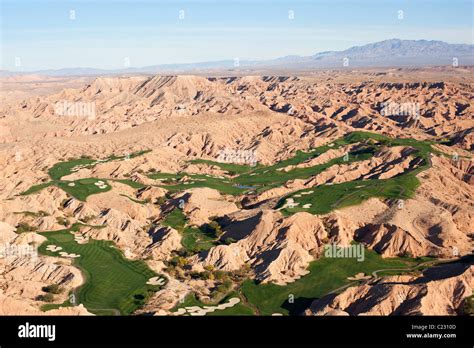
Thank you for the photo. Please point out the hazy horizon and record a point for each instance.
(120, 34)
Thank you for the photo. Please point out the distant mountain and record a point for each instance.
(393, 53)
(401, 52)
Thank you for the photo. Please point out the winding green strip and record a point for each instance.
(325, 275)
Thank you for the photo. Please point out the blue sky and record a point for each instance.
(108, 33)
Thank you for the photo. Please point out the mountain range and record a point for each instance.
(387, 53)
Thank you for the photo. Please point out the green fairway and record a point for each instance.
(113, 284)
(131, 183)
(61, 169)
(326, 274)
(231, 168)
(37, 188)
(82, 188)
(321, 199)
(325, 198)
(170, 182)
(193, 239)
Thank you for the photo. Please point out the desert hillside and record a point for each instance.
(223, 194)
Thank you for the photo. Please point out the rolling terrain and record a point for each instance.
(193, 195)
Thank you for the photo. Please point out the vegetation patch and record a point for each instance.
(113, 284)
(194, 239)
(325, 275)
(82, 188)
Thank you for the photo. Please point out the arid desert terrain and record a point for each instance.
(335, 192)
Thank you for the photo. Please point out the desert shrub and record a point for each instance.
(53, 289)
(468, 307)
(229, 240)
(209, 268)
(24, 227)
(48, 297)
(160, 200)
(62, 221)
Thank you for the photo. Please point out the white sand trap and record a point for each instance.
(180, 311)
(307, 206)
(277, 314)
(53, 248)
(156, 281)
(329, 183)
(290, 203)
(64, 254)
(198, 311)
(102, 187)
(297, 196)
(233, 301)
(71, 184)
(359, 276)
(331, 145)
(307, 192)
(80, 239)
(253, 174)
(100, 182)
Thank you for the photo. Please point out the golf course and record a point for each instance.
(113, 285)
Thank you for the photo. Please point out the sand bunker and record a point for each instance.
(80, 238)
(359, 276)
(198, 311)
(307, 192)
(156, 281)
(71, 184)
(65, 254)
(289, 203)
(53, 248)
